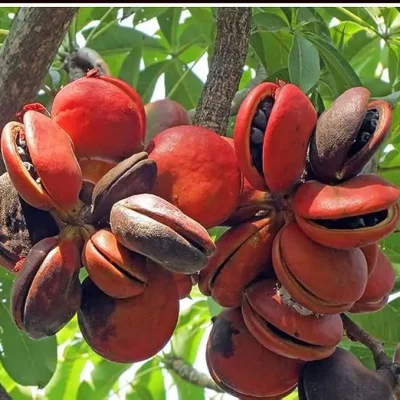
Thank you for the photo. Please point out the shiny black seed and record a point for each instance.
(364, 137)
(256, 135)
(260, 120)
(266, 106)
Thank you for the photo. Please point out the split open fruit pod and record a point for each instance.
(132, 329)
(196, 172)
(149, 225)
(322, 279)
(104, 116)
(380, 283)
(354, 213)
(240, 365)
(243, 253)
(348, 134)
(117, 271)
(272, 131)
(40, 160)
(47, 293)
(282, 330)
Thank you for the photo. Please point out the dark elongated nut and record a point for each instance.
(47, 291)
(151, 226)
(137, 174)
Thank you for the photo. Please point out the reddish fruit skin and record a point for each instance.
(101, 116)
(197, 172)
(289, 129)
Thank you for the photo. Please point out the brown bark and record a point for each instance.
(231, 46)
(26, 55)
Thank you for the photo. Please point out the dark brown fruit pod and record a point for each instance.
(21, 225)
(47, 293)
(342, 376)
(348, 134)
(137, 174)
(239, 364)
(282, 330)
(243, 253)
(133, 329)
(151, 226)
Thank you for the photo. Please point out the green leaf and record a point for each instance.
(29, 362)
(304, 69)
(130, 68)
(190, 330)
(377, 87)
(342, 73)
(102, 380)
(149, 376)
(147, 13)
(304, 16)
(182, 84)
(169, 21)
(213, 307)
(187, 390)
(148, 79)
(269, 22)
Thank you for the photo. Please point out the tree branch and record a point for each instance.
(26, 55)
(186, 372)
(3, 394)
(231, 45)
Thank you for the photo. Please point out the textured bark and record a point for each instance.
(231, 46)
(26, 55)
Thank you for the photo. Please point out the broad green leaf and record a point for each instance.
(217, 231)
(213, 307)
(120, 39)
(147, 13)
(377, 87)
(181, 84)
(29, 362)
(389, 15)
(282, 74)
(342, 73)
(193, 32)
(128, 11)
(148, 79)
(269, 22)
(304, 16)
(317, 101)
(149, 376)
(304, 69)
(394, 66)
(187, 390)
(357, 15)
(190, 330)
(272, 49)
(169, 21)
(289, 13)
(139, 393)
(102, 379)
(130, 68)
(391, 247)
(384, 325)
(115, 62)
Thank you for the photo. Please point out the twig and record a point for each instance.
(26, 55)
(226, 69)
(356, 334)
(186, 372)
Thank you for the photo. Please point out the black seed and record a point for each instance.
(256, 136)
(260, 120)
(364, 137)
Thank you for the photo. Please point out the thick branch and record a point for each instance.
(356, 334)
(231, 45)
(26, 55)
(186, 372)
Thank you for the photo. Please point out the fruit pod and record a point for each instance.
(197, 172)
(342, 376)
(21, 225)
(380, 283)
(241, 366)
(282, 330)
(40, 160)
(47, 293)
(347, 135)
(243, 253)
(164, 114)
(272, 131)
(112, 120)
(117, 271)
(322, 279)
(151, 226)
(184, 284)
(355, 213)
(132, 329)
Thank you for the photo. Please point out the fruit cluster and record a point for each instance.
(83, 190)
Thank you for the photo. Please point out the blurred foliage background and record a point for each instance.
(323, 50)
